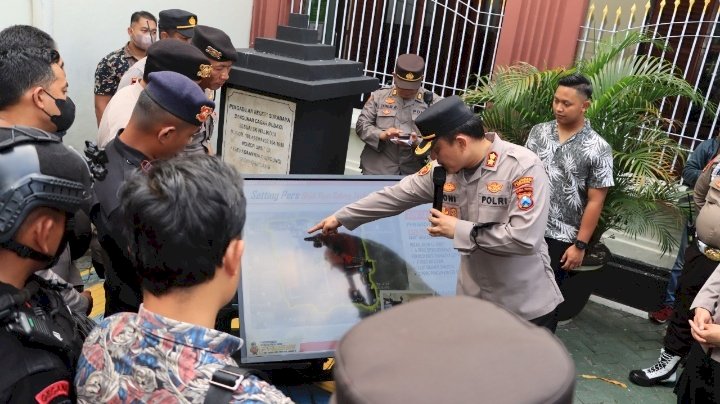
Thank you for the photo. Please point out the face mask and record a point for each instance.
(142, 41)
(67, 113)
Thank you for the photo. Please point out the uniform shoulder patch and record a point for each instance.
(522, 181)
(525, 202)
(425, 169)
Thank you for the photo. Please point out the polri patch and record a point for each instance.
(494, 187)
(491, 159)
(449, 187)
(425, 169)
(522, 181)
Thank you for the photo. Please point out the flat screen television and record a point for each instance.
(299, 293)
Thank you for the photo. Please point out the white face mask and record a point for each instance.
(142, 41)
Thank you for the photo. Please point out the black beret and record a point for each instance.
(451, 350)
(179, 96)
(214, 43)
(441, 119)
(409, 70)
(177, 56)
(182, 21)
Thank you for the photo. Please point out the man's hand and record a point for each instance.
(89, 297)
(390, 133)
(441, 224)
(572, 258)
(328, 225)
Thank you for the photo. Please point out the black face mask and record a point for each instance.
(64, 121)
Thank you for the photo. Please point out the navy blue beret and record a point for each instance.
(214, 43)
(179, 96)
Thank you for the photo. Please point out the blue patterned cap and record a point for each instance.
(179, 96)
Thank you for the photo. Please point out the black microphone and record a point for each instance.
(439, 176)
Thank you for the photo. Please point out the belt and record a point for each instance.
(710, 252)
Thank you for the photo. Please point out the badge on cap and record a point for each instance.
(494, 187)
(425, 170)
(449, 187)
(192, 21)
(213, 52)
(409, 76)
(205, 71)
(205, 113)
(491, 159)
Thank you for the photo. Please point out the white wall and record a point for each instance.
(87, 30)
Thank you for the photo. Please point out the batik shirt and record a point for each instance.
(147, 358)
(111, 69)
(584, 161)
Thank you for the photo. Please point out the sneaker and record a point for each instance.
(664, 371)
(660, 316)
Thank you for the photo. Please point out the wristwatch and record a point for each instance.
(581, 245)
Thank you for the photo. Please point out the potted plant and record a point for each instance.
(628, 90)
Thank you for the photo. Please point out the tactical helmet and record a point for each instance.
(37, 170)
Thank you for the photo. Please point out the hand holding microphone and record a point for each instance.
(440, 223)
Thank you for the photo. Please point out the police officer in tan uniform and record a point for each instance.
(386, 122)
(495, 210)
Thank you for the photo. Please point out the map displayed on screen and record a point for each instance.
(300, 293)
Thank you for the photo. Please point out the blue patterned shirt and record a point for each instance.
(147, 358)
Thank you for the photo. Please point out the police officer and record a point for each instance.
(495, 211)
(168, 112)
(386, 122)
(42, 182)
(221, 54)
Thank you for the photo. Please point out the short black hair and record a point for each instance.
(579, 83)
(181, 215)
(23, 69)
(25, 36)
(136, 16)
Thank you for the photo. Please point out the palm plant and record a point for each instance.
(627, 92)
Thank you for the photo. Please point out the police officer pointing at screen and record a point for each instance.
(495, 210)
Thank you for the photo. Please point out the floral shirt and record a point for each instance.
(111, 69)
(584, 161)
(147, 358)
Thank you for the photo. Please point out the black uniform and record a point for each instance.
(122, 287)
(38, 372)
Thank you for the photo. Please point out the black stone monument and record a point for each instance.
(288, 104)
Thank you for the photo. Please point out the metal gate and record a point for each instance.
(690, 29)
(457, 38)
